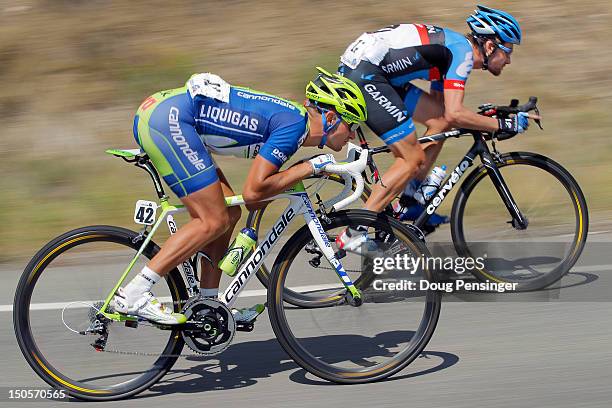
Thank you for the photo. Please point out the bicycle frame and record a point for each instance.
(481, 149)
(299, 204)
(478, 148)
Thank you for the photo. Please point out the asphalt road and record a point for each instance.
(549, 352)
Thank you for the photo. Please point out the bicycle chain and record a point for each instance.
(145, 354)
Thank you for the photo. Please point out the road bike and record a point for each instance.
(70, 335)
(522, 212)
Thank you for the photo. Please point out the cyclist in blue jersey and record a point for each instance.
(178, 129)
(382, 63)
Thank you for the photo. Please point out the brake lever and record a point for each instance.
(538, 121)
(375, 174)
(366, 178)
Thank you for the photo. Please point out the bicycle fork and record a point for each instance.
(519, 221)
(318, 233)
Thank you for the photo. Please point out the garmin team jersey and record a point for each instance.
(414, 51)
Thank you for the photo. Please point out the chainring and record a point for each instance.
(213, 325)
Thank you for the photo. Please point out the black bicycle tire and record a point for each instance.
(254, 221)
(309, 362)
(21, 314)
(557, 171)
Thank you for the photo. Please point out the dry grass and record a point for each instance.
(73, 71)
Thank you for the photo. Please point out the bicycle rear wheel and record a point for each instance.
(551, 200)
(59, 293)
(354, 344)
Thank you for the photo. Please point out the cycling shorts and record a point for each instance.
(164, 127)
(390, 108)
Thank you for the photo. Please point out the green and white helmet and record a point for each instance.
(338, 93)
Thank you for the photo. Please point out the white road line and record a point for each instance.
(251, 293)
(591, 268)
(168, 299)
(590, 233)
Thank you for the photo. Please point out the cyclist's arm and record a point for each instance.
(264, 180)
(461, 65)
(461, 117)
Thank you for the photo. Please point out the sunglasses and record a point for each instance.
(505, 49)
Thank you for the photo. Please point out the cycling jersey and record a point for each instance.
(384, 62)
(177, 128)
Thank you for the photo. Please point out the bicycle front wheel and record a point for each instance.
(551, 201)
(59, 295)
(346, 343)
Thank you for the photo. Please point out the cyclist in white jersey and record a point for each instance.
(382, 63)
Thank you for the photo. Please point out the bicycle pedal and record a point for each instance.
(245, 327)
(131, 324)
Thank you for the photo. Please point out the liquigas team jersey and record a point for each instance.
(178, 128)
(414, 51)
(242, 122)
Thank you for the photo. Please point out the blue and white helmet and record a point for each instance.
(488, 22)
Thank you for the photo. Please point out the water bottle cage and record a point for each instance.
(237, 253)
(421, 191)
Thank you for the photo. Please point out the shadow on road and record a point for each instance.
(242, 364)
(448, 360)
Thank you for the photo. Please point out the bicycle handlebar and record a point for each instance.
(491, 110)
(514, 108)
(354, 170)
(488, 109)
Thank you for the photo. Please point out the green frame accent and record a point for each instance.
(167, 208)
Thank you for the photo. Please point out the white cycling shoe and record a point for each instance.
(148, 307)
(248, 314)
(352, 240)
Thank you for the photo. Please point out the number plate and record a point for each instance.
(354, 53)
(209, 85)
(145, 212)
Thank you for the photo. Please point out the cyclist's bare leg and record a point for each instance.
(429, 111)
(409, 157)
(209, 221)
(211, 274)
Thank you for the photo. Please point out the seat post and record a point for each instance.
(144, 163)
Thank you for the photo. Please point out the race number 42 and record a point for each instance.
(145, 212)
